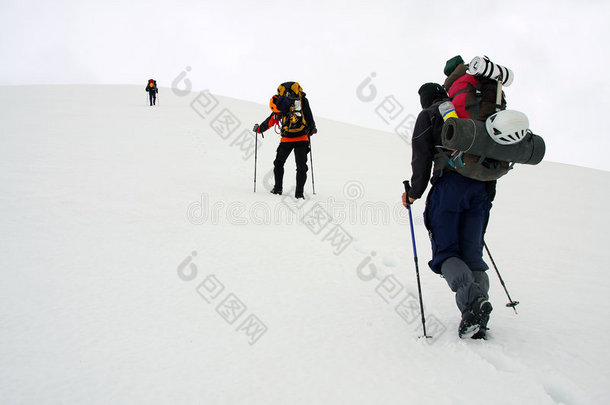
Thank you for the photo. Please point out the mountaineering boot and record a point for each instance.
(482, 308)
(299, 194)
(475, 318)
(481, 334)
(468, 325)
(276, 190)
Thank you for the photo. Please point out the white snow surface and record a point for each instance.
(139, 267)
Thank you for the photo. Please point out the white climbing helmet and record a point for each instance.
(507, 127)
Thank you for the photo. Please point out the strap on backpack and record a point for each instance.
(478, 94)
(443, 162)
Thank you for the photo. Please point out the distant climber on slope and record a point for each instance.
(292, 114)
(152, 90)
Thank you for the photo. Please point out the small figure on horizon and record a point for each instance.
(152, 90)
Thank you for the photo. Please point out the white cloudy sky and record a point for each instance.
(244, 49)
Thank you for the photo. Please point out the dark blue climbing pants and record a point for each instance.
(456, 215)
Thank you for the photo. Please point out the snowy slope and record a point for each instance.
(138, 266)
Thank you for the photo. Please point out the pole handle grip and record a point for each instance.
(407, 188)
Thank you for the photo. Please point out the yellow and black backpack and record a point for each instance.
(289, 104)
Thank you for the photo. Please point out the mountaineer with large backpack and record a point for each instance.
(152, 90)
(466, 145)
(456, 215)
(292, 119)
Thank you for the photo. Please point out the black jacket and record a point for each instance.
(426, 137)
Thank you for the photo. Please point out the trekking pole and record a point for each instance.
(421, 301)
(313, 183)
(511, 303)
(255, 129)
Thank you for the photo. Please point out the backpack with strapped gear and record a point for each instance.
(486, 140)
(152, 84)
(288, 102)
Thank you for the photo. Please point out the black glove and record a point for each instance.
(313, 131)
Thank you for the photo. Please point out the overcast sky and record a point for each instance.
(558, 51)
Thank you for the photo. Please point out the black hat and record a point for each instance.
(430, 92)
(452, 64)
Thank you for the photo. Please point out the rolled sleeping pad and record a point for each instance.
(470, 136)
(486, 68)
